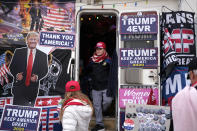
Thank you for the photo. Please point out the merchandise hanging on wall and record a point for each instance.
(178, 48)
(54, 22)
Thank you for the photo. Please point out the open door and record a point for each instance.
(96, 26)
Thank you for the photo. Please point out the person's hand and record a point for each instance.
(34, 78)
(19, 76)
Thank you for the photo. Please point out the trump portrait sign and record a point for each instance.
(21, 118)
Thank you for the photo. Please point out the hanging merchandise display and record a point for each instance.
(178, 49)
(47, 63)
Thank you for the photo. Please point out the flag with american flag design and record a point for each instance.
(3, 70)
(178, 37)
(59, 18)
(50, 113)
(178, 49)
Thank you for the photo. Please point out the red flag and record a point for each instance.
(151, 99)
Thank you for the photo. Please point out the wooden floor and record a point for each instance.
(109, 122)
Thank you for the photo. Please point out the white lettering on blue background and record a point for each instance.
(173, 86)
(137, 52)
(139, 21)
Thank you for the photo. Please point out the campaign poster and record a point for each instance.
(20, 118)
(139, 57)
(49, 120)
(177, 38)
(17, 20)
(138, 24)
(178, 44)
(174, 83)
(138, 96)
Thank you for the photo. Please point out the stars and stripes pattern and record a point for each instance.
(4, 101)
(167, 41)
(178, 49)
(57, 18)
(183, 38)
(169, 52)
(50, 113)
(3, 70)
(48, 118)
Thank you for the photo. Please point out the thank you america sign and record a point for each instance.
(20, 118)
(138, 24)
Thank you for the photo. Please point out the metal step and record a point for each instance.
(109, 122)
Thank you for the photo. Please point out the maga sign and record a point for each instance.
(174, 83)
(138, 57)
(20, 118)
(134, 24)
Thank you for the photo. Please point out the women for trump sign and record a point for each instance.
(138, 96)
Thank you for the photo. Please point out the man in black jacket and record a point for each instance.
(99, 68)
(28, 66)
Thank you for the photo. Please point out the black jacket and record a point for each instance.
(99, 74)
(23, 94)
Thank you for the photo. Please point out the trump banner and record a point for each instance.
(174, 83)
(138, 95)
(20, 118)
(139, 57)
(49, 118)
(138, 24)
(178, 49)
(53, 22)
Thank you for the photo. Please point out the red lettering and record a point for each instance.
(181, 39)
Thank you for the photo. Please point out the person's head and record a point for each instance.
(100, 48)
(72, 90)
(32, 40)
(192, 71)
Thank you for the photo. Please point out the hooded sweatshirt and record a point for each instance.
(76, 116)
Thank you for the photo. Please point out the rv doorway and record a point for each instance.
(95, 27)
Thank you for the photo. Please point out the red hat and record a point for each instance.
(72, 86)
(100, 45)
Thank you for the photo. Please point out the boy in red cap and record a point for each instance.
(98, 70)
(77, 109)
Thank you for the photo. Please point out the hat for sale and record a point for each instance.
(101, 45)
(72, 86)
(192, 66)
